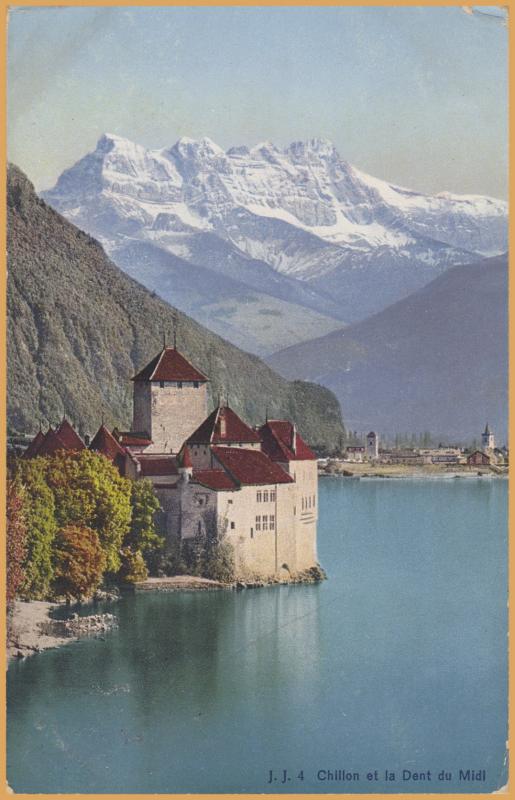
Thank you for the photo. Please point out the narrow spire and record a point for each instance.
(174, 332)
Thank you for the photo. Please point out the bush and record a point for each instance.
(79, 562)
(133, 568)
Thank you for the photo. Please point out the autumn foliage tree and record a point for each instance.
(79, 562)
(41, 527)
(16, 536)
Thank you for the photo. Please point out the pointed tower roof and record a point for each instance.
(487, 430)
(51, 444)
(170, 365)
(33, 448)
(69, 436)
(282, 442)
(105, 443)
(222, 427)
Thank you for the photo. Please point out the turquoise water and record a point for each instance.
(397, 662)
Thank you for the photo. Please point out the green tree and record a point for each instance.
(16, 535)
(133, 568)
(142, 535)
(41, 527)
(79, 562)
(88, 490)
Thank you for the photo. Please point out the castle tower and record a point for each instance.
(170, 401)
(487, 439)
(372, 445)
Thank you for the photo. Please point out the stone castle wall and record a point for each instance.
(172, 414)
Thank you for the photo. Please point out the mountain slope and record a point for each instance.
(435, 361)
(79, 328)
(299, 224)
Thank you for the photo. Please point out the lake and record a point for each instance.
(396, 664)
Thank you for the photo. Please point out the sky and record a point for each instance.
(417, 96)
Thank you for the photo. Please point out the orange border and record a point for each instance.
(508, 4)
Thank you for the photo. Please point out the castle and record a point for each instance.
(258, 484)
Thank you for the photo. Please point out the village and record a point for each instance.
(371, 459)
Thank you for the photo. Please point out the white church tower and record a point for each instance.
(372, 449)
(487, 439)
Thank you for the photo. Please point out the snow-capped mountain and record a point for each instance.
(298, 224)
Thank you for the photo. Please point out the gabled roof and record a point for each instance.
(170, 365)
(250, 467)
(223, 426)
(153, 466)
(33, 448)
(216, 479)
(281, 441)
(69, 436)
(51, 444)
(105, 443)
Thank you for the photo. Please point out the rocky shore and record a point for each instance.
(32, 629)
(191, 583)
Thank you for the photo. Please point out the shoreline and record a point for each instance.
(387, 472)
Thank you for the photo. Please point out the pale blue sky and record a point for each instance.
(414, 95)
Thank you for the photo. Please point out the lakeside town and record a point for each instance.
(370, 458)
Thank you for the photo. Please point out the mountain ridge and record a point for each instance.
(311, 228)
(435, 361)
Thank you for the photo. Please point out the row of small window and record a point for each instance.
(265, 522)
(266, 496)
(308, 502)
(179, 384)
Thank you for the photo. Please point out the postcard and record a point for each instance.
(257, 442)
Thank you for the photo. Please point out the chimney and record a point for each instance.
(87, 439)
(294, 438)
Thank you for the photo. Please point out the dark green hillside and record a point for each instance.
(79, 328)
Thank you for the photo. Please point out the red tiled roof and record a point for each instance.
(51, 444)
(170, 365)
(216, 479)
(130, 439)
(105, 443)
(277, 438)
(33, 448)
(69, 436)
(157, 465)
(223, 426)
(250, 467)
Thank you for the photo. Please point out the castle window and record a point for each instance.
(230, 502)
(252, 533)
(265, 497)
(179, 384)
(272, 522)
(162, 384)
(258, 523)
(233, 525)
(265, 522)
(195, 384)
(199, 527)
(258, 496)
(272, 496)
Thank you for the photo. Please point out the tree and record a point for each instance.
(89, 491)
(16, 535)
(217, 561)
(39, 507)
(142, 535)
(133, 568)
(79, 562)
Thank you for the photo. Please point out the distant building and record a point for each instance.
(372, 450)
(487, 439)
(355, 453)
(478, 459)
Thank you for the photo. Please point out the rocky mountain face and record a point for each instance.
(436, 361)
(79, 328)
(270, 245)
